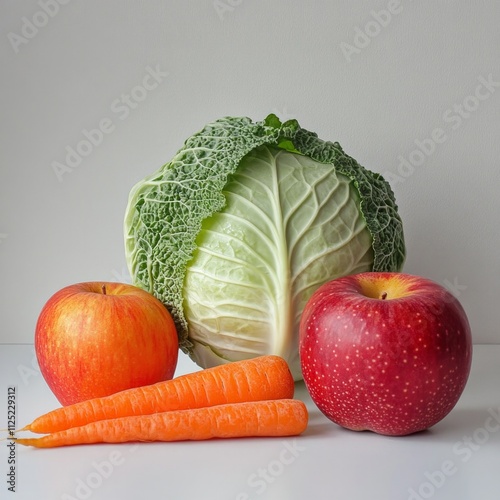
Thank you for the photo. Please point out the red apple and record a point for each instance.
(95, 339)
(386, 352)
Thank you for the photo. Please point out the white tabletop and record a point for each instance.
(459, 458)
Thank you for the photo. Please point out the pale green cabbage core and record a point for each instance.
(289, 224)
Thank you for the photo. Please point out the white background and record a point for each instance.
(457, 459)
(418, 70)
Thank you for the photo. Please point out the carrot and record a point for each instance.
(262, 378)
(283, 417)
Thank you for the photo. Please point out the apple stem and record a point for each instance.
(103, 288)
(384, 295)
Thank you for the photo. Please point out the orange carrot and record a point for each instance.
(283, 417)
(261, 378)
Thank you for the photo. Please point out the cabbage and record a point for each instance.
(247, 220)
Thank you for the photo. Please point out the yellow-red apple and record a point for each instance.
(94, 339)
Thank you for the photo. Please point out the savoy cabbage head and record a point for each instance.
(237, 231)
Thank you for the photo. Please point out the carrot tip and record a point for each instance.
(20, 441)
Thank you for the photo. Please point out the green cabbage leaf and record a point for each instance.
(237, 231)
